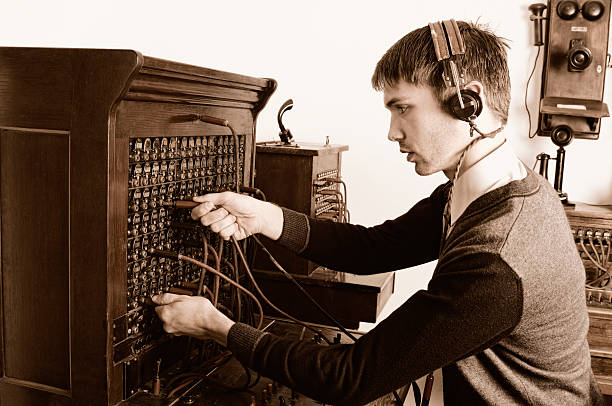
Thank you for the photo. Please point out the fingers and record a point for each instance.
(167, 312)
(228, 231)
(209, 203)
(214, 216)
(185, 315)
(218, 211)
(201, 210)
(217, 199)
(218, 225)
(165, 298)
(210, 197)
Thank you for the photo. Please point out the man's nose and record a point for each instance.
(394, 132)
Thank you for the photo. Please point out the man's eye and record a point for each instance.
(401, 109)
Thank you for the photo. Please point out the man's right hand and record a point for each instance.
(232, 214)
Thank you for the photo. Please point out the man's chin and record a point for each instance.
(423, 171)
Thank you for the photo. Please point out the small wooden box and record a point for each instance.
(287, 175)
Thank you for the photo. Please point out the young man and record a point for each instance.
(504, 314)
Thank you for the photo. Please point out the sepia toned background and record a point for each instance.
(322, 54)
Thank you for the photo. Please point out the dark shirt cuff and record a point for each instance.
(296, 231)
(242, 340)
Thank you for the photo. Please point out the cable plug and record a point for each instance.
(156, 379)
(164, 254)
(181, 204)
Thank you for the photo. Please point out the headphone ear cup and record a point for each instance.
(472, 105)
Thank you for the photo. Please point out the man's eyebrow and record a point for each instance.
(391, 102)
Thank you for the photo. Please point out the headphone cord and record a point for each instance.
(473, 128)
(446, 222)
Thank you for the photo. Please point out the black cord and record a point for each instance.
(417, 395)
(265, 298)
(526, 92)
(230, 389)
(296, 283)
(256, 381)
(318, 306)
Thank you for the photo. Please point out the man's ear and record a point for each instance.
(469, 105)
(476, 87)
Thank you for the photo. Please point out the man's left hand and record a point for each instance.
(193, 316)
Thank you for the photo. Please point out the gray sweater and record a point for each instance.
(504, 314)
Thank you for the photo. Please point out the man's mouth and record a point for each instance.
(409, 154)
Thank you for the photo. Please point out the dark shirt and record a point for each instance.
(504, 314)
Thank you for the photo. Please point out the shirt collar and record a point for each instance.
(497, 169)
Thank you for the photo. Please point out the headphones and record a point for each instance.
(466, 105)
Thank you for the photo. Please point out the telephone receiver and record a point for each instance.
(537, 15)
(285, 133)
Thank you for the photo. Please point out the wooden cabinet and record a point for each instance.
(296, 177)
(73, 124)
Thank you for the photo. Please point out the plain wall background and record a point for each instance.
(322, 53)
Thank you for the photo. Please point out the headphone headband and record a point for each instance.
(448, 44)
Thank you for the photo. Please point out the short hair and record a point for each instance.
(413, 59)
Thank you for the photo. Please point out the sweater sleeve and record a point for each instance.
(461, 313)
(409, 240)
